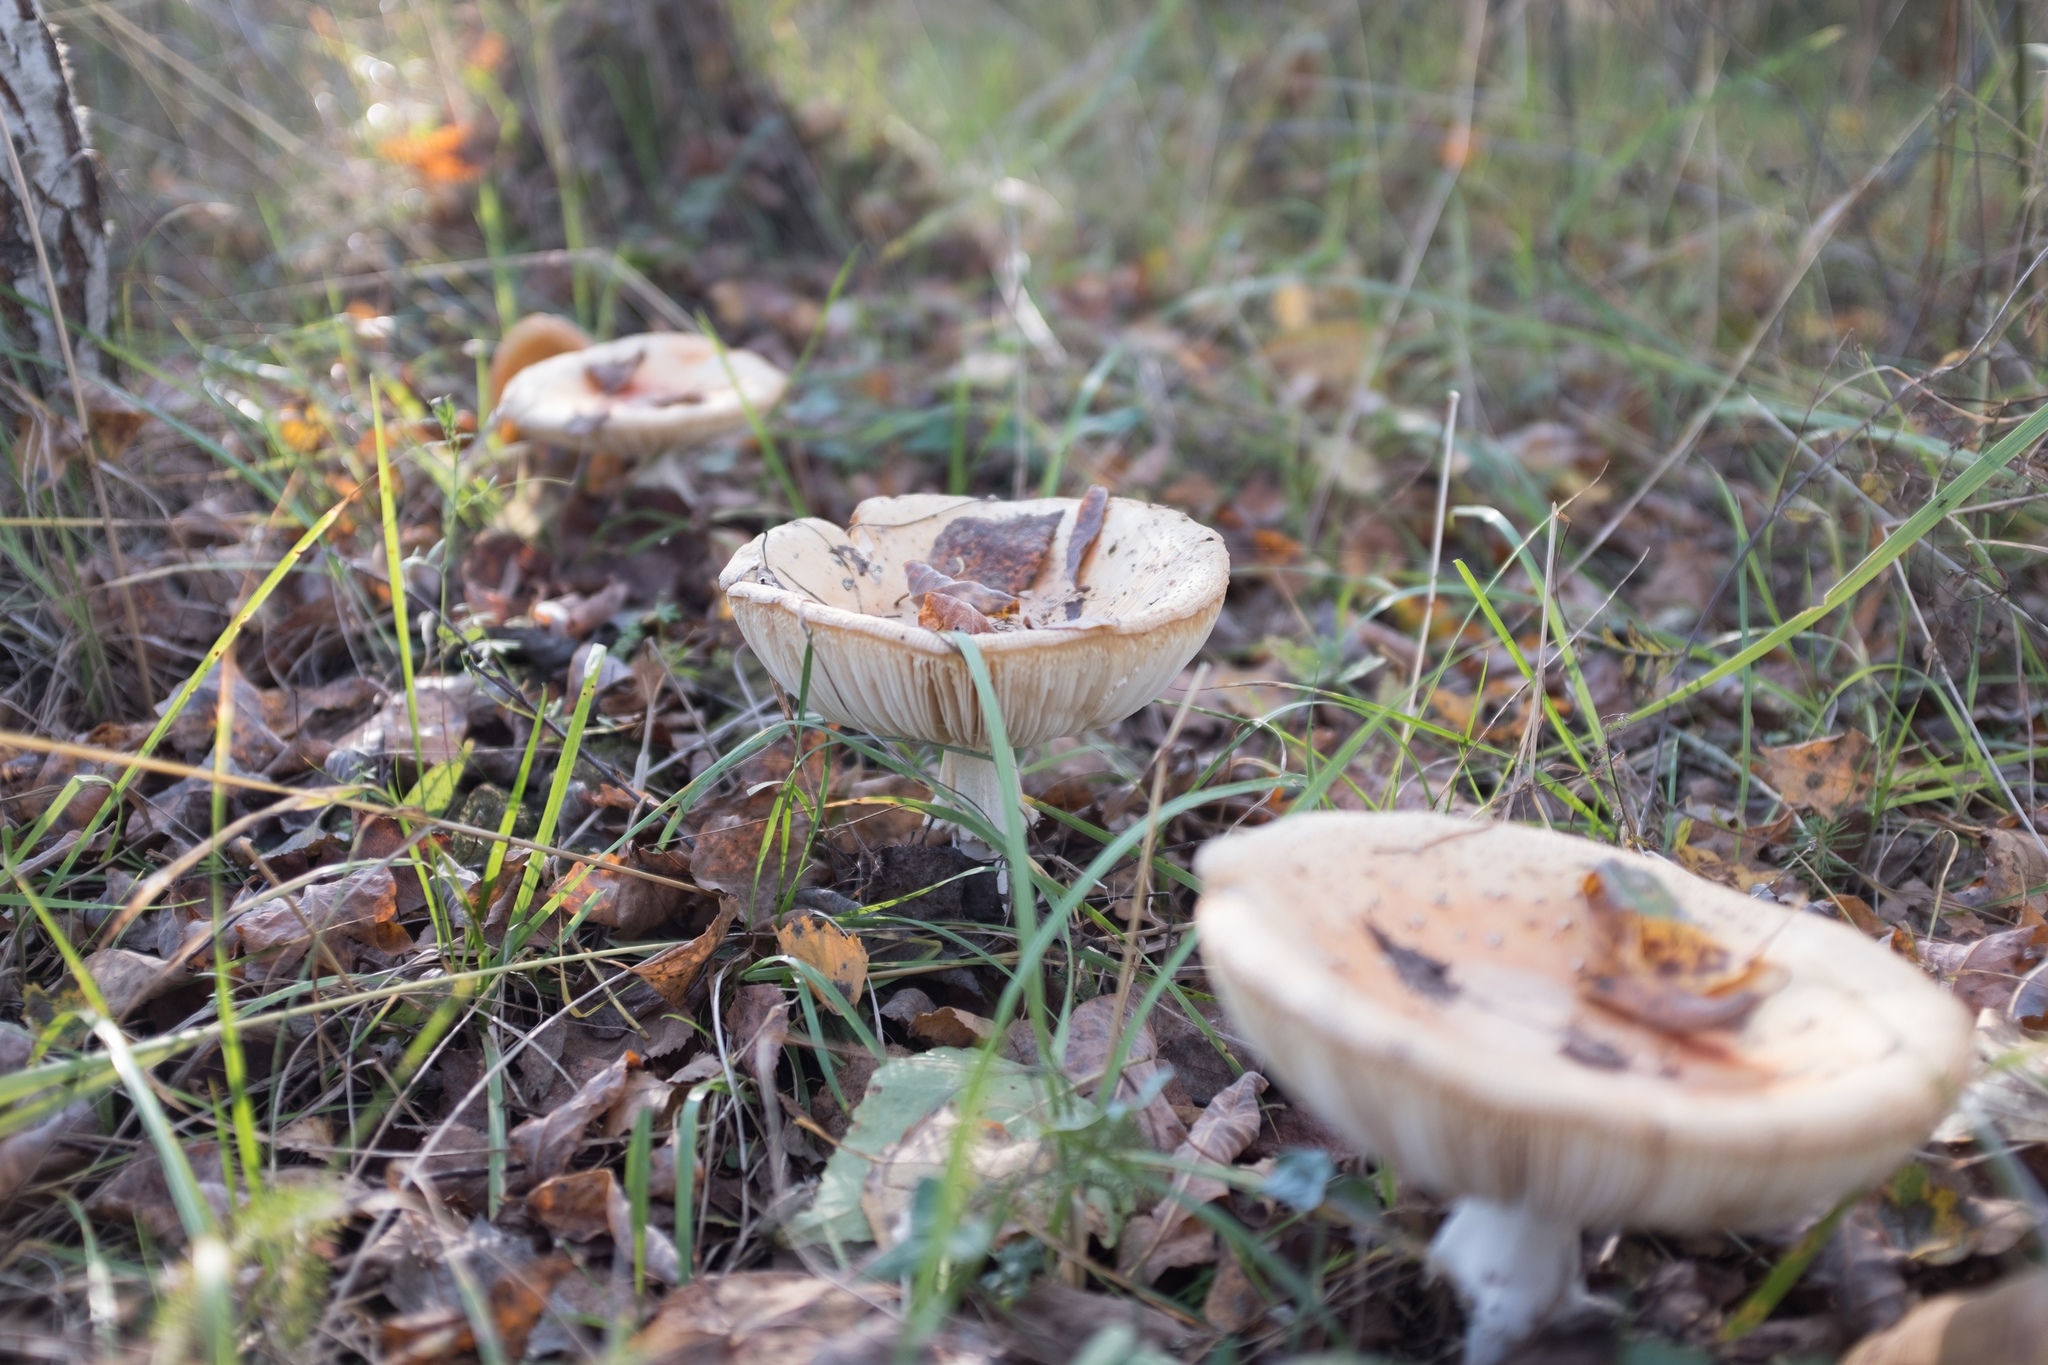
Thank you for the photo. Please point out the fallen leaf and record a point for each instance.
(518, 1296)
(545, 1145)
(575, 1205)
(1828, 775)
(753, 850)
(950, 1027)
(444, 723)
(1091, 1035)
(838, 955)
(1001, 1155)
(440, 156)
(1227, 1125)
(673, 971)
(1986, 974)
(2015, 871)
(906, 1005)
(46, 1149)
(1234, 1302)
(1087, 526)
(1655, 966)
(1054, 1322)
(139, 1193)
(128, 979)
(2006, 1325)
(1005, 553)
(279, 930)
(611, 893)
(925, 580)
(754, 1317)
(937, 612)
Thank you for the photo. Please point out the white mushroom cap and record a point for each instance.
(1154, 585)
(640, 395)
(1507, 1086)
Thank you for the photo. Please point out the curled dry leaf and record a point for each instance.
(941, 613)
(47, 1148)
(2015, 871)
(754, 850)
(518, 1296)
(1170, 1235)
(838, 955)
(1090, 1038)
(128, 979)
(1000, 1155)
(674, 971)
(612, 892)
(1087, 526)
(1985, 975)
(139, 1193)
(575, 1205)
(2007, 1325)
(1234, 1303)
(950, 1027)
(1829, 775)
(924, 580)
(545, 1145)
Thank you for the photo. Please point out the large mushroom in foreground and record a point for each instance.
(1558, 1036)
(1084, 608)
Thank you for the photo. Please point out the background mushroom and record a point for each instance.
(639, 395)
(1560, 1036)
(527, 342)
(1107, 600)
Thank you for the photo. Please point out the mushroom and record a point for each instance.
(639, 395)
(1559, 1036)
(527, 342)
(1098, 603)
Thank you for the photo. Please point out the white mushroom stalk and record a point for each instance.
(1559, 1037)
(1083, 610)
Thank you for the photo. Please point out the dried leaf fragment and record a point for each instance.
(941, 613)
(673, 971)
(1006, 553)
(545, 1145)
(951, 1027)
(925, 580)
(1828, 775)
(839, 956)
(1087, 526)
(1658, 968)
(2007, 1324)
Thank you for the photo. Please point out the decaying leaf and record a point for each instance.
(362, 907)
(129, 979)
(518, 1295)
(757, 1317)
(753, 850)
(2015, 871)
(1984, 975)
(1655, 966)
(2007, 1325)
(839, 956)
(47, 1148)
(1091, 1035)
(611, 891)
(575, 1205)
(1829, 775)
(443, 725)
(1005, 553)
(925, 580)
(938, 612)
(1170, 1235)
(139, 1192)
(544, 1146)
(673, 971)
(1002, 1155)
(1087, 526)
(1234, 1303)
(951, 1027)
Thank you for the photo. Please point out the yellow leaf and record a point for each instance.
(838, 955)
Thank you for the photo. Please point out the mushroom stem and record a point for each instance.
(1514, 1266)
(976, 782)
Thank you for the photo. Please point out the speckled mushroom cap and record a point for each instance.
(1505, 1085)
(1153, 587)
(639, 395)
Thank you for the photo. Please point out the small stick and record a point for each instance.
(1143, 887)
(1436, 550)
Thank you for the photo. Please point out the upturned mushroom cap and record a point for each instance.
(1153, 585)
(1459, 1046)
(639, 395)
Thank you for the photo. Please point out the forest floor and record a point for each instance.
(505, 966)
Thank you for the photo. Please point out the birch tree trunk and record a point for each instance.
(52, 154)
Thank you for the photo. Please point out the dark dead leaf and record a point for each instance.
(754, 850)
(518, 1296)
(139, 1193)
(951, 1027)
(756, 1317)
(576, 1206)
(1653, 965)
(278, 932)
(544, 1146)
(1087, 526)
(1171, 1236)
(1234, 1303)
(609, 893)
(1006, 553)
(128, 979)
(46, 1149)
(1091, 1035)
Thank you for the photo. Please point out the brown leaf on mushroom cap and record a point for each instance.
(1006, 553)
(1655, 966)
(673, 971)
(1828, 775)
(924, 579)
(1087, 526)
(938, 612)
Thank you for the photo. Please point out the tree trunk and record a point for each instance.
(63, 212)
(647, 114)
